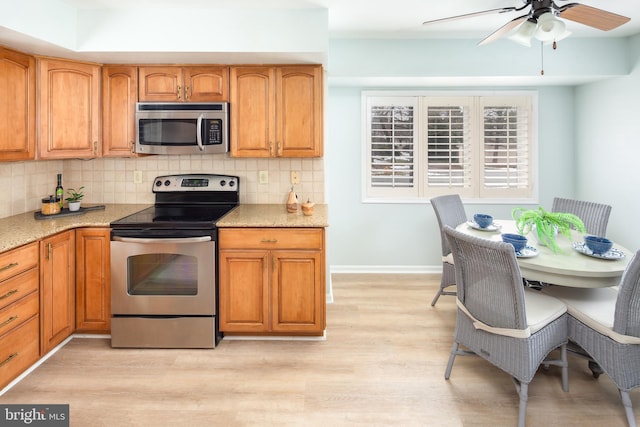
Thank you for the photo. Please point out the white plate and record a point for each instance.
(491, 227)
(612, 254)
(527, 252)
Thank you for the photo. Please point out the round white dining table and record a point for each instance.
(567, 267)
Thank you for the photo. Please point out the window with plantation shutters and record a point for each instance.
(419, 146)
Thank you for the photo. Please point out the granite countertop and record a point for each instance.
(18, 230)
(262, 215)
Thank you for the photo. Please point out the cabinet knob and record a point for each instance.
(178, 92)
(186, 93)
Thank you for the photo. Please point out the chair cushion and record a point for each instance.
(541, 310)
(595, 307)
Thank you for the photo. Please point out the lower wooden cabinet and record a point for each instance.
(19, 307)
(272, 281)
(93, 282)
(57, 284)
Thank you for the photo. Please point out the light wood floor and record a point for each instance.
(382, 363)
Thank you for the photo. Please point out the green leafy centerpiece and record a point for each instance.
(546, 224)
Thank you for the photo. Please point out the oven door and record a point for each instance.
(163, 276)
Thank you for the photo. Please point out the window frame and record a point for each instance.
(421, 193)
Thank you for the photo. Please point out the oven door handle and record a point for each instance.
(199, 132)
(161, 240)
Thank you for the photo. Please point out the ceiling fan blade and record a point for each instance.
(503, 30)
(593, 17)
(469, 15)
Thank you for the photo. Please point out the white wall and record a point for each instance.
(608, 149)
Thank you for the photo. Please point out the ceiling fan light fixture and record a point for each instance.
(549, 28)
(525, 33)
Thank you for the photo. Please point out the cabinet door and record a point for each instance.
(297, 292)
(252, 103)
(69, 109)
(119, 96)
(206, 84)
(160, 84)
(57, 284)
(93, 280)
(299, 111)
(17, 106)
(244, 291)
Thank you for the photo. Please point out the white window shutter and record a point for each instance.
(392, 141)
(450, 165)
(506, 147)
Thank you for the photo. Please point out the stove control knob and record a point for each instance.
(223, 183)
(232, 183)
(167, 183)
(158, 183)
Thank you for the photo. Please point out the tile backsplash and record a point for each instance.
(111, 180)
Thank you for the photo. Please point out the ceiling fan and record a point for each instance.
(541, 21)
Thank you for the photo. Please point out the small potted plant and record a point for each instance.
(75, 196)
(546, 224)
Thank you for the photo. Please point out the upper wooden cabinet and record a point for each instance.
(276, 111)
(119, 96)
(17, 105)
(68, 109)
(184, 84)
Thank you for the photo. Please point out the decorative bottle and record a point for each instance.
(59, 191)
(292, 202)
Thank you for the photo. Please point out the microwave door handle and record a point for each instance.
(161, 240)
(199, 132)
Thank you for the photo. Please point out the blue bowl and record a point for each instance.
(598, 245)
(483, 220)
(518, 241)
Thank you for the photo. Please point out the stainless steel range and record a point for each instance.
(164, 280)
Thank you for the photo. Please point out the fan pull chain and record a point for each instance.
(541, 59)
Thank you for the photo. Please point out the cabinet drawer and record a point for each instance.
(15, 314)
(18, 286)
(271, 238)
(19, 349)
(18, 260)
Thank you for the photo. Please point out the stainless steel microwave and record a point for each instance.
(182, 127)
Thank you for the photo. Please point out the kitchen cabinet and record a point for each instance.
(68, 109)
(57, 285)
(19, 308)
(93, 280)
(17, 105)
(184, 84)
(272, 281)
(276, 111)
(119, 96)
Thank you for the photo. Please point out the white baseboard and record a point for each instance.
(386, 269)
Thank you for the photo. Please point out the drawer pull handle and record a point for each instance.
(8, 294)
(9, 320)
(8, 359)
(8, 266)
(269, 240)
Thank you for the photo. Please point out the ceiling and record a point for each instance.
(396, 18)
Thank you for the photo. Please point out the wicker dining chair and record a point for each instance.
(595, 216)
(449, 211)
(499, 320)
(605, 323)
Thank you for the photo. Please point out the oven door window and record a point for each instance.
(162, 274)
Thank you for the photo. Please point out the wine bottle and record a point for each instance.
(59, 191)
